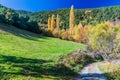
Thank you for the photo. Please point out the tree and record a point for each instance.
(58, 23)
(52, 23)
(49, 23)
(72, 19)
(77, 31)
(104, 39)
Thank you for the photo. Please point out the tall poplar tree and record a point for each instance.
(58, 23)
(49, 23)
(52, 23)
(72, 19)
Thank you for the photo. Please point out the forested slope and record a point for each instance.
(85, 16)
(29, 20)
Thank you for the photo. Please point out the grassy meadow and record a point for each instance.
(29, 56)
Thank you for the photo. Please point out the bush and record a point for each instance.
(103, 38)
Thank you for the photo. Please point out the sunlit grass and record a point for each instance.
(28, 56)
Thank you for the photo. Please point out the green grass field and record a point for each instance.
(28, 56)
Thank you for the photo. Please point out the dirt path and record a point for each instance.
(91, 72)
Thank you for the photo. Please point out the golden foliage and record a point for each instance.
(88, 11)
(52, 23)
(72, 19)
(58, 22)
(63, 34)
(49, 23)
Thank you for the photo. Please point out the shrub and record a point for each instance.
(103, 38)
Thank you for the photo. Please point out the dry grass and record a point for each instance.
(112, 71)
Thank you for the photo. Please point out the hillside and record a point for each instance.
(18, 19)
(28, 20)
(85, 16)
(25, 55)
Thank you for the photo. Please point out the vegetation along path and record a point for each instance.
(91, 72)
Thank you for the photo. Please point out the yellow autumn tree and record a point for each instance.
(56, 31)
(77, 35)
(64, 34)
(58, 23)
(49, 23)
(52, 23)
(72, 19)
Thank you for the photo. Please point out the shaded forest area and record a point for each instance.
(19, 19)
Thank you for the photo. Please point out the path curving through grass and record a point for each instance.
(91, 72)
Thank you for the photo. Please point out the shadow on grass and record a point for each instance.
(33, 67)
(21, 33)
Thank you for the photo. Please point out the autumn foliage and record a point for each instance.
(74, 32)
(102, 38)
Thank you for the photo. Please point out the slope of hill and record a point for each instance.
(29, 56)
(18, 18)
(28, 21)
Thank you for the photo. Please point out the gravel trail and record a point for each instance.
(91, 72)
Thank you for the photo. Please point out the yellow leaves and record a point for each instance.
(88, 11)
(49, 23)
(105, 38)
(63, 34)
(8, 15)
(117, 39)
(58, 22)
(79, 33)
(80, 27)
(55, 33)
(52, 23)
(100, 33)
(76, 37)
(117, 27)
(72, 19)
(110, 67)
(52, 28)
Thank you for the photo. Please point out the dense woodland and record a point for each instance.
(31, 19)
(86, 16)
